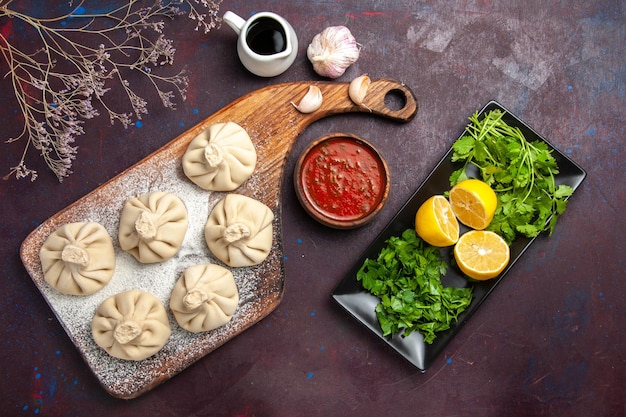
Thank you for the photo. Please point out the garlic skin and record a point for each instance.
(311, 101)
(358, 89)
(332, 51)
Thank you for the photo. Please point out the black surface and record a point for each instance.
(360, 303)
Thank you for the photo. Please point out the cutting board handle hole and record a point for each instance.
(395, 99)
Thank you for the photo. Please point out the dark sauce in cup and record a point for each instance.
(266, 36)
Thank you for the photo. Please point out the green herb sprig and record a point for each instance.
(522, 173)
(406, 276)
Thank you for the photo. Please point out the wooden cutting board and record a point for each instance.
(273, 124)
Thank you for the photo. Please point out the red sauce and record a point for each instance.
(343, 179)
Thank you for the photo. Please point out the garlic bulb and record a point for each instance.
(332, 51)
(358, 89)
(311, 101)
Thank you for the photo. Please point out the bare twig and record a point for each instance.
(80, 56)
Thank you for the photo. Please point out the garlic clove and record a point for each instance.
(332, 51)
(358, 89)
(311, 101)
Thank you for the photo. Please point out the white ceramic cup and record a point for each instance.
(267, 43)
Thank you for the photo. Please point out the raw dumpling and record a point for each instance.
(78, 258)
(220, 158)
(131, 325)
(153, 226)
(204, 298)
(239, 230)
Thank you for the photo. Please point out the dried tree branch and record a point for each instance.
(80, 56)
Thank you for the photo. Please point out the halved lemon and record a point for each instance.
(474, 203)
(435, 222)
(481, 254)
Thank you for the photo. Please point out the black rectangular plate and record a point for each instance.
(360, 303)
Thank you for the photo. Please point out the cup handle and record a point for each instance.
(234, 21)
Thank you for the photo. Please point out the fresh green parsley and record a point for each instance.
(406, 276)
(519, 171)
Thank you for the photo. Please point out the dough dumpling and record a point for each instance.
(239, 230)
(220, 158)
(131, 325)
(78, 258)
(153, 226)
(204, 298)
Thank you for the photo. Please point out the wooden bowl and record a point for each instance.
(342, 181)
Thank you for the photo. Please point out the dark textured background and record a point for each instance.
(550, 339)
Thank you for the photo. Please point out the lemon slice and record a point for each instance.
(435, 222)
(474, 203)
(481, 254)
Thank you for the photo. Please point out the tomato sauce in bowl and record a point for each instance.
(342, 180)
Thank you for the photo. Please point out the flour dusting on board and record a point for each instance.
(125, 378)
